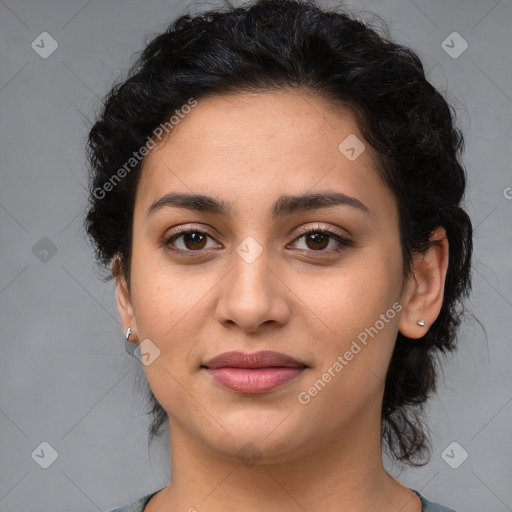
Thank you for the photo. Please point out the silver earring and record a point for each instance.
(129, 346)
(421, 322)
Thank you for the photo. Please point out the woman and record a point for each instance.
(277, 189)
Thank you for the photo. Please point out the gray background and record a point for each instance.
(65, 377)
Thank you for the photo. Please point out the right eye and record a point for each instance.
(189, 240)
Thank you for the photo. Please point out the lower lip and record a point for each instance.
(254, 380)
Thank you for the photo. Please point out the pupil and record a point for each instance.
(193, 240)
(319, 241)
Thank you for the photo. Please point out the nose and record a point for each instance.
(252, 297)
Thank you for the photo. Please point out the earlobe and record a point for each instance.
(424, 294)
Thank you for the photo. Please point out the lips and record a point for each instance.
(252, 373)
(263, 359)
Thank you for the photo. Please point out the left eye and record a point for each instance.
(319, 240)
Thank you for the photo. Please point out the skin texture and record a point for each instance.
(248, 150)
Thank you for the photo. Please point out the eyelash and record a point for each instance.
(342, 241)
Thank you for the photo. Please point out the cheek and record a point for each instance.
(166, 304)
(165, 294)
(354, 295)
(172, 305)
(354, 354)
(354, 304)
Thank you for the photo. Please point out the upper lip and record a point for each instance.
(263, 359)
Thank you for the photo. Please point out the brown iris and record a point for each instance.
(194, 240)
(317, 239)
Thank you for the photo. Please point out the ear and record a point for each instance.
(424, 293)
(124, 303)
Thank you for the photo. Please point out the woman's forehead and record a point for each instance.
(271, 137)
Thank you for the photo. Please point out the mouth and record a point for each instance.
(252, 373)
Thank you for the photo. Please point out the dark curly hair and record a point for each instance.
(275, 44)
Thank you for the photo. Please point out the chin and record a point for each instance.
(264, 437)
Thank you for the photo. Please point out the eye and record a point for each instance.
(312, 239)
(190, 240)
(321, 240)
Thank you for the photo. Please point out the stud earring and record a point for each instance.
(421, 322)
(128, 333)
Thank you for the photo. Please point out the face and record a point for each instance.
(259, 269)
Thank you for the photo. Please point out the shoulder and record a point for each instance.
(137, 506)
(431, 506)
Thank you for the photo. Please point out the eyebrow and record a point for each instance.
(285, 205)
